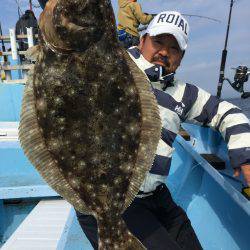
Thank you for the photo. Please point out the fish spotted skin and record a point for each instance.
(86, 121)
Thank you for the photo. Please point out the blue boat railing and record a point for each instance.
(13, 69)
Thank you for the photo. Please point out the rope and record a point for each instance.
(19, 8)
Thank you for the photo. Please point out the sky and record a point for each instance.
(201, 63)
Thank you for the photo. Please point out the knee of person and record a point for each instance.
(79, 214)
(182, 215)
(187, 238)
(81, 217)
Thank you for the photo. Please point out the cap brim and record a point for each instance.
(162, 30)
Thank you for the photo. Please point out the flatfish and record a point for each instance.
(89, 122)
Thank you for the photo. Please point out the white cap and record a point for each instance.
(170, 22)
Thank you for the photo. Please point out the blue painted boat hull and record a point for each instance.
(219, 213)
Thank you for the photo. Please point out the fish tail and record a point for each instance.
(115, 235)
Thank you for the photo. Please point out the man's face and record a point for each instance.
(162, 50)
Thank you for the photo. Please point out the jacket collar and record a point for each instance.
(154, 72)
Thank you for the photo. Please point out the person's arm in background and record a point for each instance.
(42, 3)
(226, 118)
(140, 16)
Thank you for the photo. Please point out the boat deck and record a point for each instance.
(46, 227)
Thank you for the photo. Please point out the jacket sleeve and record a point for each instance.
(140, 16)
(225, 117)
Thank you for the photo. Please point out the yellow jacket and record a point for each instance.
(130, 16)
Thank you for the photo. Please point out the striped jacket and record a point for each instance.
(183, 102)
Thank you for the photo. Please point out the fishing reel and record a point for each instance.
(241, 76)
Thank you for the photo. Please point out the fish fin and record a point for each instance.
(150, 131)
(34, 147)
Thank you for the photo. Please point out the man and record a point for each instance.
(27, 20)
(153, 217)
(130, 16)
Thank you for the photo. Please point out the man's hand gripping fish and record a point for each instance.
(89, 122)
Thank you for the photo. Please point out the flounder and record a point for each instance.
(89, 122)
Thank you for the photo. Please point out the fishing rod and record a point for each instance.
(224, 54)
(241, 72)
(205, 17)
(5, 58)
(19, 11)
(30, 3)
(189, 15)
